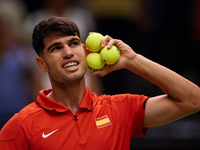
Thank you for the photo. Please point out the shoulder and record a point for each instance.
(14, 125)
(121, 99)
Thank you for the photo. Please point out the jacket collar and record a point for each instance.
(50, 104)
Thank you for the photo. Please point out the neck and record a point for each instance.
(69, 95)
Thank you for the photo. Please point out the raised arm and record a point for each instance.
(182, 96)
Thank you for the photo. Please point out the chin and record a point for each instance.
(75, 78)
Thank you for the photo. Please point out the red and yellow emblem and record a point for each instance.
(102, 121)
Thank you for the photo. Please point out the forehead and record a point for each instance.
(62, 39)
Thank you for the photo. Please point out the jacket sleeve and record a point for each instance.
(12, 136)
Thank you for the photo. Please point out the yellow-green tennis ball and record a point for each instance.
(110, 56)
(93, 42)
(94, 62)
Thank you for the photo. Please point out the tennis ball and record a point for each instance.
(94, 62)
(93, 42)
(110, 56)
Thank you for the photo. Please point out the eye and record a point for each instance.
(74, 43)
(56, 48)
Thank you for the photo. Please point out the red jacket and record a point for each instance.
(102, 122)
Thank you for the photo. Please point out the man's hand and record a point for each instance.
(126, 55)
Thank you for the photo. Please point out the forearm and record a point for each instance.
(177, 87)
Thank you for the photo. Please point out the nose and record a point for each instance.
(67, 52)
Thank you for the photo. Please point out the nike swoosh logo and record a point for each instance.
(47, 135)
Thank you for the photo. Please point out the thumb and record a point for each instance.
(104, 71)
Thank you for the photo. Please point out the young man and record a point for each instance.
(69, 117)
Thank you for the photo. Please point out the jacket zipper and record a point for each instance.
(77, 125)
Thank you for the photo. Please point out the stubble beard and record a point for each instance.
(67, 81)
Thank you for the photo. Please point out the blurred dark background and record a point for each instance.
(165, 31)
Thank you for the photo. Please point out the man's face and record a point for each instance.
(64, 59)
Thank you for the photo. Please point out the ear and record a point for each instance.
(41, 64)
(86, 50)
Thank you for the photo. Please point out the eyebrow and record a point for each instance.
(54, 44)
(58, 43)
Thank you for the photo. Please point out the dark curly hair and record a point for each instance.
(53, 26)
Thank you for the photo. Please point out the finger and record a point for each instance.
(111, 43)
(104, 71)
(91, 32)
(100, 73)
(106, 39)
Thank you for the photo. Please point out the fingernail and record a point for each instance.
(108, 46)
